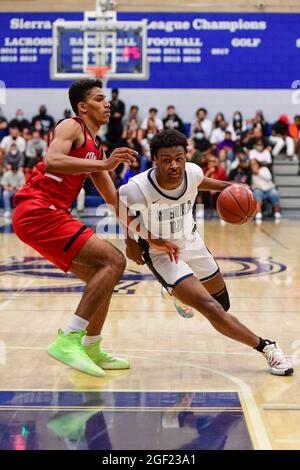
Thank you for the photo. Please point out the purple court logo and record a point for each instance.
(36, 275)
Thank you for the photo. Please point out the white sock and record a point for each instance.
(87, 340)
(76, 324)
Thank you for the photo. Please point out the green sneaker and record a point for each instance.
(70, 424)
(69, 350)
(103, 359)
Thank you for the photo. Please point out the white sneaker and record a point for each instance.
(222, 223)
(277, 215)
(278, 362)
(184, 310)
(7, 214)
(258, 216)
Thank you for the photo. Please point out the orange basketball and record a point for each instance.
(236, 204)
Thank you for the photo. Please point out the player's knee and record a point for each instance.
(223, 299)
(120, 262)
(114, 260)
(117, 262)
(213, 310)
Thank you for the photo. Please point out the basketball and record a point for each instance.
(236, 204)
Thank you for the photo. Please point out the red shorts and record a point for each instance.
(54, 233)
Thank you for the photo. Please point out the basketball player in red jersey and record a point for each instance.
(42, 220)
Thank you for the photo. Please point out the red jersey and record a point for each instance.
(60, 189)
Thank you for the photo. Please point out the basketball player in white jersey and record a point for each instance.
(163, 198)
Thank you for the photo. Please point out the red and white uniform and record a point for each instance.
(42, 216)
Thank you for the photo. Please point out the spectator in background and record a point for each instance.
(26, 134)
(294, 131)
(247, 139)
(117, 112)
(254, 135)
(264, 188)
(227, 144)
(13, 158)
(38, 127)
(11, 182)
(129, 136)
(218, 118)
(129, 139)
(193, 154)
(19, 121)
(3, 126)
(149, 132)
(259, 122)
(13, 138)
(67, 114)
(201, 129)
(35, 150)
(47, 121)
(173, 121)
(216, 171)
(133, 114)
(152, 115)
(225, 161)
(280, 137)
(237, 125)
(242, 173)
(218, 134)
(261, 153)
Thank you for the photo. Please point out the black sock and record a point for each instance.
(263, 343)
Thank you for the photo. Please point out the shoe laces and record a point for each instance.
(101, 355)
(104, 356)
(274, 354)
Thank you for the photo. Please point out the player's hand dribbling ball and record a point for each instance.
(236, 204)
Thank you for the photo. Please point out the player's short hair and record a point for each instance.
(80, 90)
(167, 138)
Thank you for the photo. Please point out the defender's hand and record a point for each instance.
(118, 156)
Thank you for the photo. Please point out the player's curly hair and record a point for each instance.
(167, 138)
(80, 90)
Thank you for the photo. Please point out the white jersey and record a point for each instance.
(167, 214)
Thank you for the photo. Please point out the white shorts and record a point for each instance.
(194, 260)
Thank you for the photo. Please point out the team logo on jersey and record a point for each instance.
(35, 274)
(91, 156)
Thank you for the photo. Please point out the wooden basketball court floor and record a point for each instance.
(188, 386)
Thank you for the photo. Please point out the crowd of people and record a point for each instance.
(239, 149)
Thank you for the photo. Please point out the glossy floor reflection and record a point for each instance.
(122, 421)
(167, 353)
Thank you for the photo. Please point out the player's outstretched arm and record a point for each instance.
(106, 188)
(68, 133)
(210, 184)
